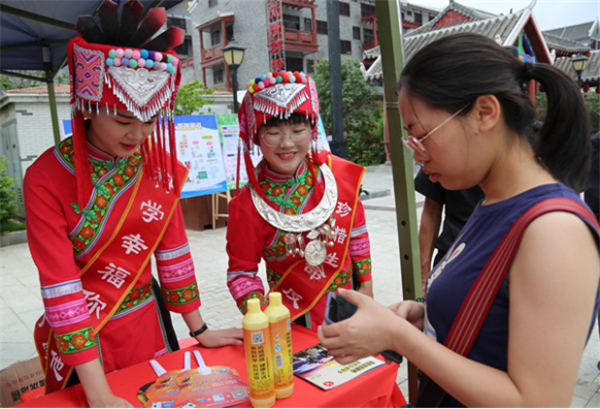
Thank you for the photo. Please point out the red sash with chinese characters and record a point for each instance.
(303, 285)
(114, 269)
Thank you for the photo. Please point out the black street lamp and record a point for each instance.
(233, 54)
(579, 63)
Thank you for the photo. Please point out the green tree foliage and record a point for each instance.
(592, 103)
(365, 142)
(358, 96)
(8, 197)
(191, 98)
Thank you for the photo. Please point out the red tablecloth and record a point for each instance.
(376, 388)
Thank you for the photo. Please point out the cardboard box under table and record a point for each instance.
(18, 379)
(376, 388)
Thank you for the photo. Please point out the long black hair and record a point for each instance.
(453, 71)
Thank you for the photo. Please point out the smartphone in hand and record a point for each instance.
(338, 308)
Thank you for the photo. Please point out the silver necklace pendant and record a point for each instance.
(289, 238)
(315, 253)
(298, 223)
(313, 222)
(313, 234)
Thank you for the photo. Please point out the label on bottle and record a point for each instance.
(281, 341)
(258, 362)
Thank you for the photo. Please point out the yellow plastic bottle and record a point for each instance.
(281, 345)
(258, 356)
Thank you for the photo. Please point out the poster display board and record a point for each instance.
(230, 132)
(199, 149)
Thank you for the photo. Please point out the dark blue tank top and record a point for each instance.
(466, 258)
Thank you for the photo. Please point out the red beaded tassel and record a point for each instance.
(173, 152)
(82, 164)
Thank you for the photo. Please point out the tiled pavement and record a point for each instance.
(21, 304)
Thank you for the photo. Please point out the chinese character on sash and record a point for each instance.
(159, 178)
(133, 244)
(292, 295)
(343, 209)
(332, 260)
(56, 364)
(314, 272)
(114, 275)
(151, 211)
(94, 303)
(341, 234)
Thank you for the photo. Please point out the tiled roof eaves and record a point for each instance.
(375, 71)
(564, 44)
(371, 53)
(592, 70)
(471, 13)
(572, 32)
(493, 28)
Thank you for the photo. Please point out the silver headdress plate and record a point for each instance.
(280, 100)
(143, 91)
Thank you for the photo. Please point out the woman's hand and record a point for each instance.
(221, 337)
(412, 311)
(97, 392)
(367, 332)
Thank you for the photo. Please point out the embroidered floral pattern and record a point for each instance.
(340, 280)
(362, 266)
(244, 304)
(136, 296)
(181, 296)
(273, 276)
(122, 176)
(290, 195)
(75, 341)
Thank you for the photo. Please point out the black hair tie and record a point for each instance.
(527, 71)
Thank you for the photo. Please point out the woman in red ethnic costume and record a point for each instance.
(300, 212)
(103, 201)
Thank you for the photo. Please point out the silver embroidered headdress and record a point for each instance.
(123, 65)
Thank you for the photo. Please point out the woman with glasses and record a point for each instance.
(300, 211)
(464, 105)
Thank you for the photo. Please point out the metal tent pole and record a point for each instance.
(390, 39)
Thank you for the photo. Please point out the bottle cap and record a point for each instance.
(253, 305)
(275, 299)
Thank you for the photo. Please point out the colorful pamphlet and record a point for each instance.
(215, 386)
(317, 366)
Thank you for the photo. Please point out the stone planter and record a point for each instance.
(15, 237)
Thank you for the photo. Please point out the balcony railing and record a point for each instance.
(212, 53)
(305, 40)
